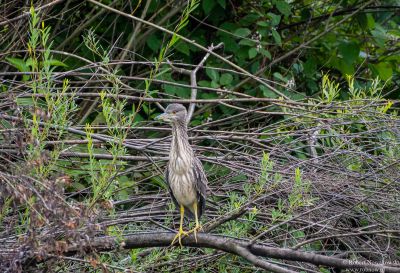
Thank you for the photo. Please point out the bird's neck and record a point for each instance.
(180, 140)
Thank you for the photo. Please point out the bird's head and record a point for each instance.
(174, 112)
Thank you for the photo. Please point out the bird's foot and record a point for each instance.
(194, 230)
(179, 236)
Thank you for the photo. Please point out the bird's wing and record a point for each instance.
(201, 185)
(169, 187)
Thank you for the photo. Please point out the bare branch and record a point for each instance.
(253, 253)
(193, 78)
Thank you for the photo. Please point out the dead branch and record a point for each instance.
(193, 78)
(254, 253)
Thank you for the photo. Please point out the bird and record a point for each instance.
(184, 174)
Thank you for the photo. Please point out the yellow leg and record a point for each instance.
(198, 226)
(180, 232)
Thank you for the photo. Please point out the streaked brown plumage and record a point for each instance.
(185, 174)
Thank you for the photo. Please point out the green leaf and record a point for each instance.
(252, 53)
(379, 34)
(247, 42)
(214, 84)
(179, 91)
(78, 186)
(345, 67)
(213, 74)
(242, 32)
(226, 79)
(208, 5)
(204, 83)
(283, 7)
(18, 64)
(153, 43)
(384, 70)
(230, 44)
(222, 3)
(324, 270)
(279, 76)
(25, 102)
(183, 47)
(265, 53)
(54, 62)
(21, 65)
(370, 21)
(182, 92)
(249, 19)
(276, 36)
(268, 93)
(310, 66)
(263, 23)
(349, 51)
(275, 19)
(298, 234)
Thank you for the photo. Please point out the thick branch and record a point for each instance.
(252, 253)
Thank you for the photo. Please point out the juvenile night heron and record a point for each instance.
(185, 174)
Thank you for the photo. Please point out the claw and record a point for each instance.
(179, 236)
(194, 230)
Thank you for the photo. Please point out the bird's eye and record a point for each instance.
(174, 112)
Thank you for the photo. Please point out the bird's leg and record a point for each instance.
(198, 226)
(180, 232)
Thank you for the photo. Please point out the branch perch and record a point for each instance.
(254, 253)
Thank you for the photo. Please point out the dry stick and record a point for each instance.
(394, 231)
(278, 102)
(143, 37)
(193, 79)
(149, 99)
(26, 14)
(74, 131)
(130, 44)
(238, 68)
(236, 213)
(285, 222)
(83, 26)
(226, 244)
(213, 159)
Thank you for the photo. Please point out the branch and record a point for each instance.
(27, 14)
(193, 78)
(252, 253)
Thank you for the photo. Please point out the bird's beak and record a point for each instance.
(163, 117)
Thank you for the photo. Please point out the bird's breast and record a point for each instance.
(183, 188)
(180, 163)
(181, 179)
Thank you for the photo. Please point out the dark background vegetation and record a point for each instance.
(295, 120)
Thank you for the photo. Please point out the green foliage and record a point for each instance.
(300, 48)
(54, 108)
